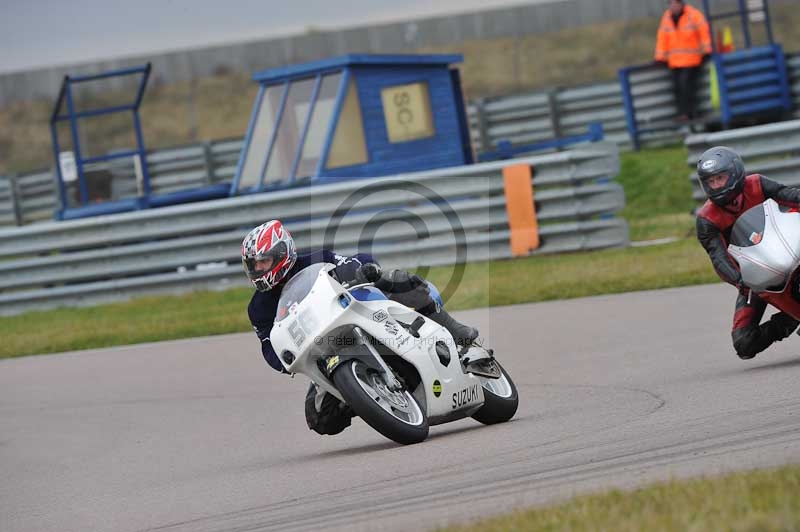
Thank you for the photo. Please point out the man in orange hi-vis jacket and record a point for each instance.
(683, 43)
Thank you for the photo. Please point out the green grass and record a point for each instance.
(743, 502)
(658, 193)
(144, 319)
(656, 182)
(546, 278)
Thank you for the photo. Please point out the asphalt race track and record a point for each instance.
(201, 435)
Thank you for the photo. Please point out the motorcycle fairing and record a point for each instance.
(789, 300)
(311, 322)
(766, 244)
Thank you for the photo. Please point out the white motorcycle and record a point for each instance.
(399, 371)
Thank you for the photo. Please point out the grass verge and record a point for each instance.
(505, 282)
(751, 501)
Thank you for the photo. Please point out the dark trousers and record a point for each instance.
(749, 335)
(684, 82)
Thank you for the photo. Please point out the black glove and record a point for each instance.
(399, 282)
(391, 282)
(368, 273)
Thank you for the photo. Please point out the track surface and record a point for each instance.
(200, 435)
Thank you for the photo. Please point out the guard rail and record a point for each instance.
(8, 215)
(34, 196)
(197, 245)
(537, 116)
(772, 150)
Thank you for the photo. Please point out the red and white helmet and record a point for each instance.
(268, 240)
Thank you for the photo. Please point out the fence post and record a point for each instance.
(630, 107)
(208, 162)
(483, 126)
(555, 118)
(15, 199)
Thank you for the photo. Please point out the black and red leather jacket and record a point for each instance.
(714, 223)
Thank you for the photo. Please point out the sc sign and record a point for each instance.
(407, 112)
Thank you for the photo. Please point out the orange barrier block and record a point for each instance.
(520, 208)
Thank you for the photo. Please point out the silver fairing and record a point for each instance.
(772, 254)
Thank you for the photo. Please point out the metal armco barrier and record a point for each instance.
(173, 169)
(35, 197)
(197, 246)
(533, 117)
(772, 150)
(187, 167)
(536, 117)
(8, 215)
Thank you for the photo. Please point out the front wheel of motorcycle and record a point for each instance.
(395, 414)
(500, 398)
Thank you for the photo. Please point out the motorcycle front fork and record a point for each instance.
(391, 381)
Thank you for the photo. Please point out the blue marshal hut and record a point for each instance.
(353, 116)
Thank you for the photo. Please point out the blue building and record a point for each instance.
(354, 116)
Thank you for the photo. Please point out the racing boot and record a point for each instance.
(780, 326)
(750, 341)
(463, 335)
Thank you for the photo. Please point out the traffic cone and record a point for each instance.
(727, 41)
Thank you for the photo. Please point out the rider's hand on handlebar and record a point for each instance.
(368, 273)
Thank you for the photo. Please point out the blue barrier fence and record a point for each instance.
(750, 82)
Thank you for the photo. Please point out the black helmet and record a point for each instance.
(723, 162)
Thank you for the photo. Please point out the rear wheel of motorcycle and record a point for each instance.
(500, 399)
(396, 415)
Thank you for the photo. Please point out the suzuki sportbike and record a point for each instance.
(398, 370)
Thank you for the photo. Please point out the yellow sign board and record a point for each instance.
(407, 111)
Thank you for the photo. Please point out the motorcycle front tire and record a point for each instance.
(360, 386)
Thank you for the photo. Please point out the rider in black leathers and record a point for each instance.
(270, 258)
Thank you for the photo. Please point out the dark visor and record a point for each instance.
(277, 254)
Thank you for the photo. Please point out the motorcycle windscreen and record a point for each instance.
(749, 228)
(297, 288)
(766, 244)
